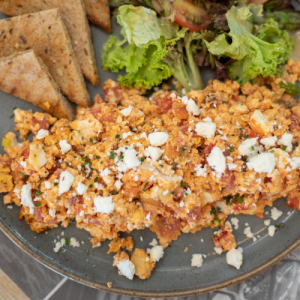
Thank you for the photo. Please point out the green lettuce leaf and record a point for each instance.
(140, 25)
(256, 54)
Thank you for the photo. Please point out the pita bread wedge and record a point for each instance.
(25, 76)
(73, 13)
(46, 34)
(98, 13)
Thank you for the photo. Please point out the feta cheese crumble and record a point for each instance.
(42, 133)
(197, 260)
(269, 142)
(201, 171)
(235, 222)
(47, 184)
(104, 205)
(153, 152)
(271, 230)
(126, 111)
(156, 253)
(52, 212)
(65, 182)
(275, 213)
(286, 140)
(81, 188)
(217, 161)
(126, 268)
(206, 130)
(218, 250)
(267, 222)
(247, 147)
(26, 198)
(192, 108)
(234, 257)
(64, 146)
(264, 162)
(158, 138)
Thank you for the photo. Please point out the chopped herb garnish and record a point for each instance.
(283, 147)
(272, 151)
(214, 235)
(144, 190)
(59, 167)
(231, 149)
(97, 157)
(182, 149)
(252, 148)
(75, 156)
(38, 204)
(219, 208)
(91, 185)
(239, 200)
(83, 158)
(142, 158)
(12, 116)
(280, 225)
(227, 198)
(186, 194)
(91, 140)
(112, 155)
(161, 165)
(122, 156)
(183, 184)
(113, 192)
(173, 193)
(117, 136)
(82, 137)
(101, 162)
(55, 183)
(96, 179)
(218, 220)
(22, 174)
(241, 129)
(38, 192)
(213, 211)
(67, 164)
(67, 241)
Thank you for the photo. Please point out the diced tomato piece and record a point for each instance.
(178, 193)
(167, 228)
(224, 239)
(131, 192)
(43, 124)
(209, 148)
(293, 202)
(76, 200)
(181, 113)
(226, 153)
(58, 172)
(229, 179)
(195, 214)
(93, 220)
(295, 122)
(38, 214)
(164, 103)
(253, 133)
(25, 153)
(96, 111)
(240, 206)
(98, 99)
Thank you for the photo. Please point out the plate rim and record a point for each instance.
(148, 294)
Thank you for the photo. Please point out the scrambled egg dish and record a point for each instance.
(173, 164)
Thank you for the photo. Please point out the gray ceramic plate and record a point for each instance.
(173, 275)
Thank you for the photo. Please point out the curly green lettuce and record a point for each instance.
(258, 50)
(148, 51)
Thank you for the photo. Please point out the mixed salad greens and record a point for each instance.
(164, 38)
